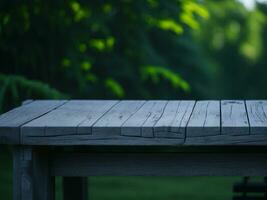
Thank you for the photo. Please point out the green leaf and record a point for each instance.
(156, 72)
(115, 87)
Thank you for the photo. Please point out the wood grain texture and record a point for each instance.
(227, 140)
(111, 122)
(109, 140)
(174, 119)
(234, 118)
(98, 109)
(31, 175)
(141, 123)
(257, 114)
(68, 140)
(11, 121)
(131, 122)
(22, 177)
(17, 154)
(76, 116)
(205, 119)
(160, 164)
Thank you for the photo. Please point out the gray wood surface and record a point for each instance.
(27, 101)
(141, 123)
(11, 121)
(136, 122)
(234, 118)
(16, 174)
(31, 175)
(174, 119)
(44, 182)
(160, 164)
(109, 140)
(111, 122)
(99, 108)
(74, 116)
(172, 124)
(205, 119)
(237, 140)
(22, 174)
(257, 114)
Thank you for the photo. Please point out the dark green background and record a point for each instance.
(132, 49)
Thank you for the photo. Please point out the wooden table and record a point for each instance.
(79, 138)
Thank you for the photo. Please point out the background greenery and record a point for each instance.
(132, 49)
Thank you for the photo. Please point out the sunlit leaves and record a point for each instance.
(110, 41)
(79, 11)
(195, 8)
(190, 12)
(169, 24)
(251, 48)
(115, 87)
(190, 9)
(224, 27)
(155, 73)
(86, 65)
(102, 44)
(98, 44)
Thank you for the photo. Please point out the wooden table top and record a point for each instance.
(136, 122)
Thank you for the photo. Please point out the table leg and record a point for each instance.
(31, 178)
(75, 188)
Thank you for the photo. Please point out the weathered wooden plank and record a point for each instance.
(257, 114)
(160, 164)
(141, 141)
(111, 122)
(227, 140)
(74, 116)
(205, 119)
(17, 154)
(99, 108)
(44, 182)
(100, 140)
(174, 119)
(234, 118)
(11, 121)
(22, 177)
(143, 119)
(27, 101)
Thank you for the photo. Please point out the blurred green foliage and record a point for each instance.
(15, 89)
(176, 49)
(105, 49)
(233, 40)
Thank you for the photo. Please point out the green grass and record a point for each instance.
(135, 188)
(146, 188)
